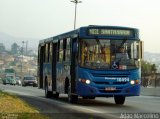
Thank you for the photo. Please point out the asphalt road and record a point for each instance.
(140, 107)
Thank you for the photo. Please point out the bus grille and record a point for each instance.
(116, 91)
(109, 75)
(110, 83)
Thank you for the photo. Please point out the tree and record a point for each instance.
(153, 68)
(146, 71)
(14, 48)
(154, 71)
(2, 47)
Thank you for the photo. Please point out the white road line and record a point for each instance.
(84, 109)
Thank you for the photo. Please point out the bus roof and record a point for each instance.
(82, 32)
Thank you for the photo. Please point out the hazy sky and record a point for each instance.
(45, 18)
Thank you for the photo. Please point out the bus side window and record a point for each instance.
(58, 49)
(50, 52)
(61, 51)
(64, 49)
(46, 53)
(67, 53)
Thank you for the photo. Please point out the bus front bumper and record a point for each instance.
(88, 90)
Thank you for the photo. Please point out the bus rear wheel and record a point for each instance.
(88, 97)
(119, 99)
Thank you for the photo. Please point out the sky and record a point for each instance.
(41, 19)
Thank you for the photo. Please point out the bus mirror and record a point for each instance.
(142, 49)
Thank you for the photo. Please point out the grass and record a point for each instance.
(13, 107)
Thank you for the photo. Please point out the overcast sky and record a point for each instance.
(45, 18)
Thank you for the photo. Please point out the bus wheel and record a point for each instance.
(48, 94)
(72, 98)
(92, 97)
(85, 97)
(88, 97)
(119, 99)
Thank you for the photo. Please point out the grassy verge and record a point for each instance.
(13, 107)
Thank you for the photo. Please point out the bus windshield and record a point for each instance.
(109, 54)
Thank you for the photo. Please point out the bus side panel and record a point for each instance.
(54, 65)
(40, 67)
(47, 73)
(59, 81)
(73, 72)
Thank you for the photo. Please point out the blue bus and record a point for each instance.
(85, 63)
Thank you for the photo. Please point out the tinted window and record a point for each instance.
(29, 78)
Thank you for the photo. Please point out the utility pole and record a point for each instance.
(22, 59)
(76, 2)
(26, 48)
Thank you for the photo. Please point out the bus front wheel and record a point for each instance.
(119, 99)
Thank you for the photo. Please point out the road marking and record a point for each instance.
(94, 112)
(87, 109)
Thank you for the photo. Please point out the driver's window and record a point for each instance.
(135, 50)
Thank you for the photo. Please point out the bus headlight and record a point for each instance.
(86, 81)
(132, 82)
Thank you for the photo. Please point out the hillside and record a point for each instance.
(8, 40)
(152, 57)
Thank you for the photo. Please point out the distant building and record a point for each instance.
(9, 58)
(1, 62)
(24, 58)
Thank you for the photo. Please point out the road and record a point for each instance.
(134, 107)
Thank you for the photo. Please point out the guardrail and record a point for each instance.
(150, 91)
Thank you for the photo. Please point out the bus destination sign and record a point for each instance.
(110, 32)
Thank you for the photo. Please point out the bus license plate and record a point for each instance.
(110, 89)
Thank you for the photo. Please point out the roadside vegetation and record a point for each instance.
(12, 107)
